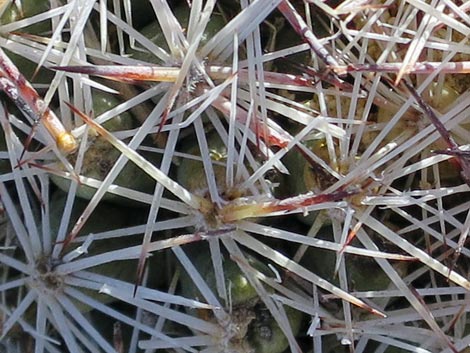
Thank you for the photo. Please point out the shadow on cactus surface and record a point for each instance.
(234, 176)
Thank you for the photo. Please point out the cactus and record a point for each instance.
(326, 143)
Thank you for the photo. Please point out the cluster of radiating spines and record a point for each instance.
(217, 115)
(423, 120)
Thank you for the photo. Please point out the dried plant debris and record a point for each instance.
(234, 176)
